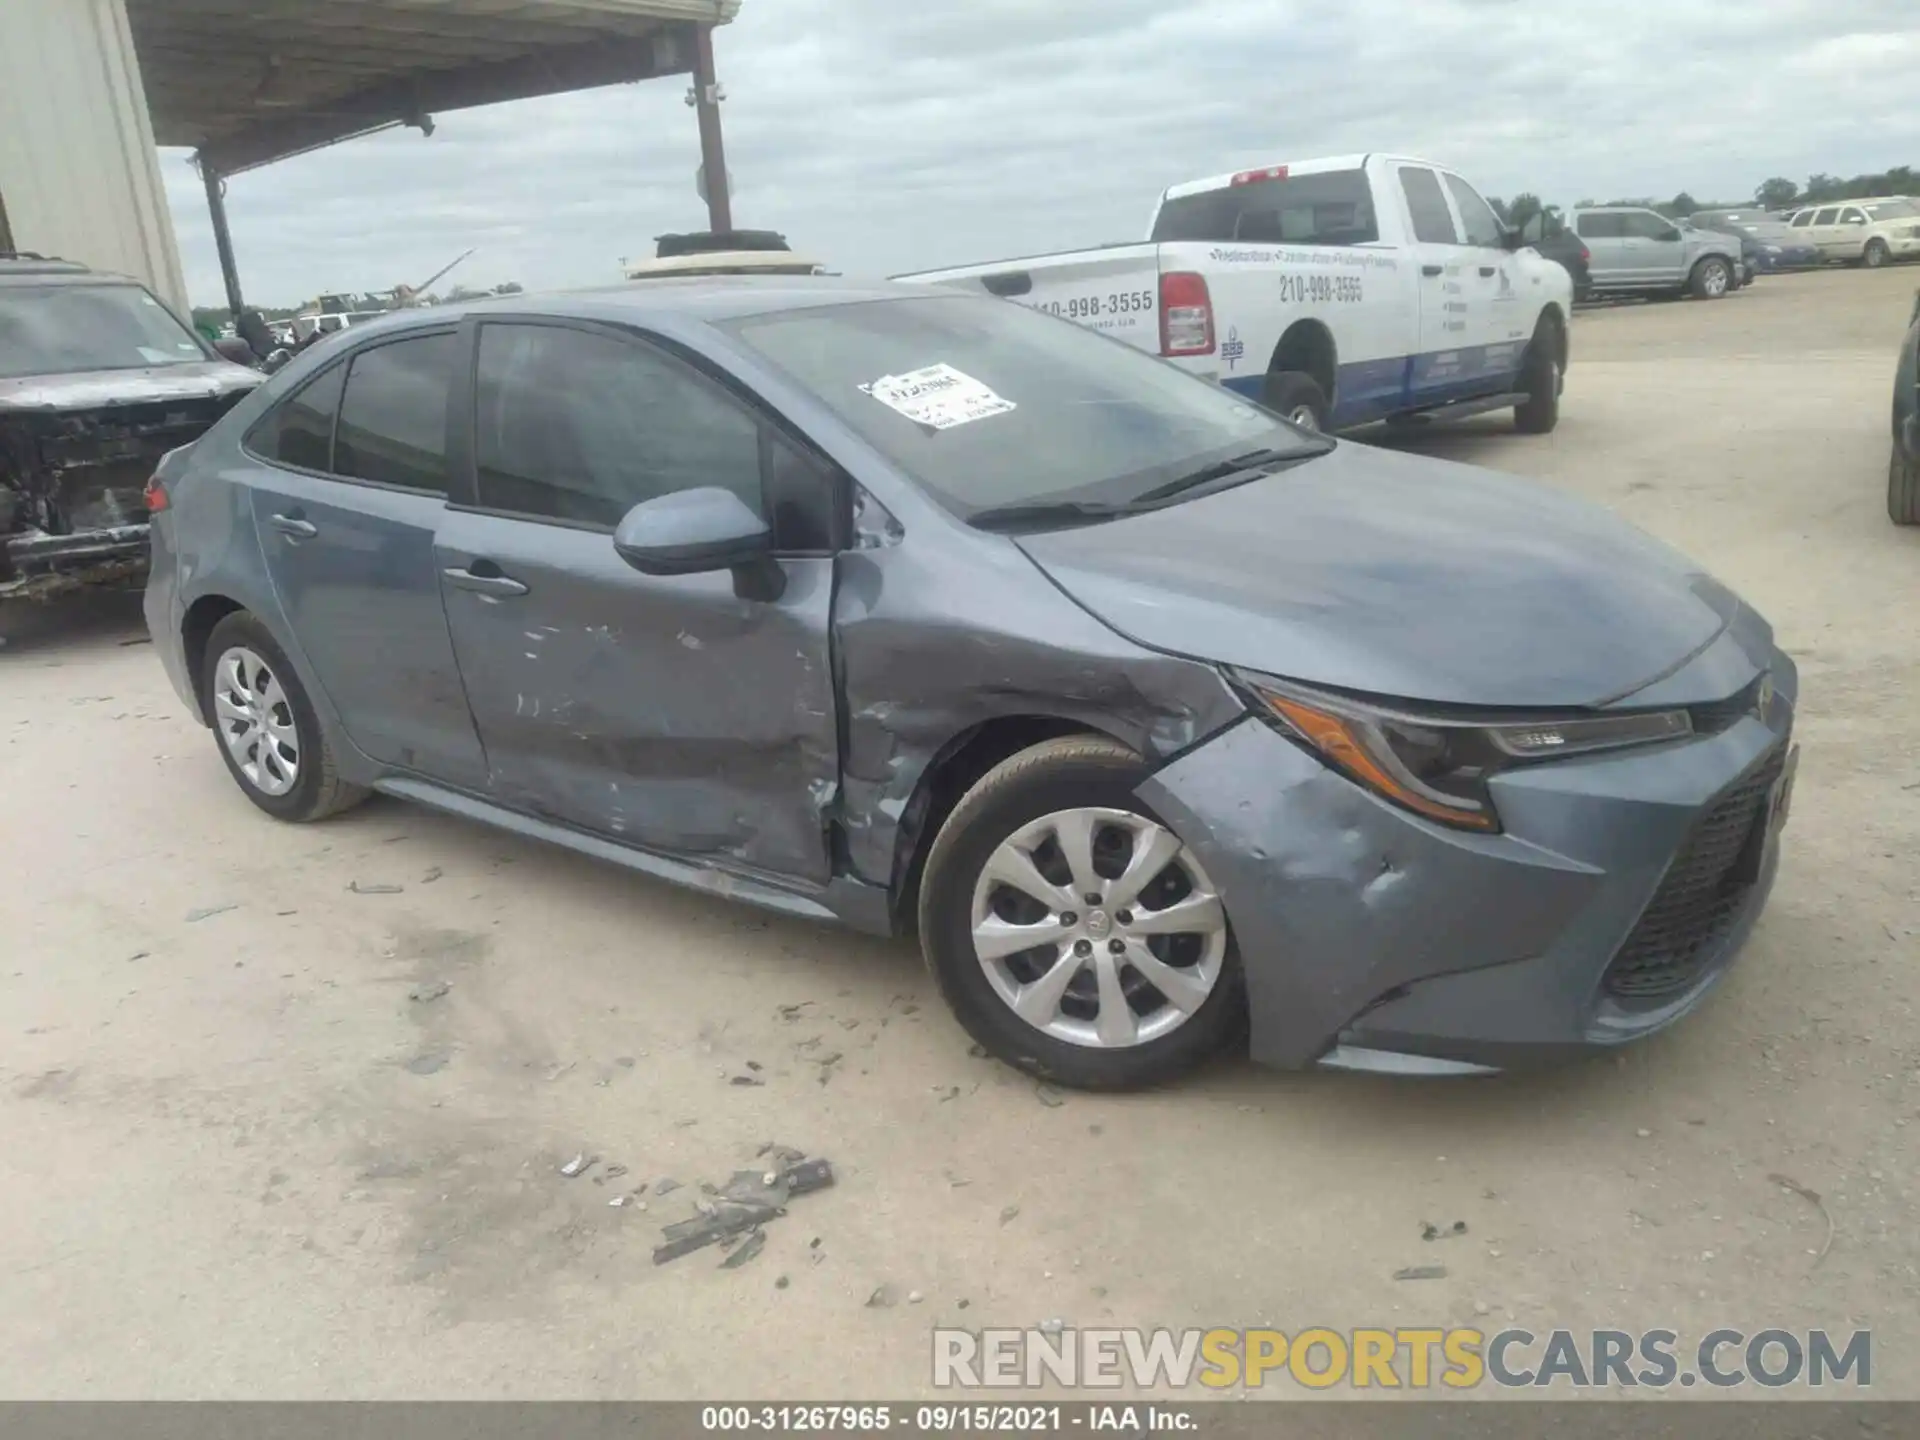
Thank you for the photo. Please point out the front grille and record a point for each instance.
(1718, 715)
(1702, 892)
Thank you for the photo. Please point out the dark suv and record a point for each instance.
(98, 380)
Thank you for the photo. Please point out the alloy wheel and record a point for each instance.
(1099, 927)
(256, 722)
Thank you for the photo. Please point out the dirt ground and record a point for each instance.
(241, 1161)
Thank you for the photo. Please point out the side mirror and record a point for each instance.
(1854, 220)
(695, 532)
(232, 347)
(1512, 238)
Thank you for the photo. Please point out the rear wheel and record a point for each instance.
(1711, 278)
(268, 733)
(1875, 255)
(1298, 396)
(1903, 488)
(1075, 936)
(1540, 378)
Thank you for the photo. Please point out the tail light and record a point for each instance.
(1254, 177)
(1186, 314)
(1585, 254)
(156, 496)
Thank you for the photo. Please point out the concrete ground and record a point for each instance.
(241, 1161)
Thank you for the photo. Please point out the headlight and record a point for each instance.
(1437, 766)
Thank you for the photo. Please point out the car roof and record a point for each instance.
(708, 298)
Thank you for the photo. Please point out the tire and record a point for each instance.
(1875, 255)
(1540, 378)
(1017, 802)
(1711, 279)
(1298, 396)
(1903, 488)
(266, 683)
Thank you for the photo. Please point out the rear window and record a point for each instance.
(986, 403)
(1333, 208)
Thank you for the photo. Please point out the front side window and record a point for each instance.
(987, 404)
(67, 329)
(299, 432)
(1332, 208)
(393, 418)
(1432, 220)
(1645, 225)
(1476, 216)
(581, 427)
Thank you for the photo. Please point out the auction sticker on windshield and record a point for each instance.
(939, 396)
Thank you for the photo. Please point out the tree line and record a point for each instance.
(1777, 193)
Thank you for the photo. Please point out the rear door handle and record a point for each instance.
(1432, 269)
(502, 585)
(294, 527)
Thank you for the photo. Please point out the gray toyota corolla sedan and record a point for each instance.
(1165, 724)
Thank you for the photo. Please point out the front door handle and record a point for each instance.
(502, 585)
(295, 528)
(1431, 269)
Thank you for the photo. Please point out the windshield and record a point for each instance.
(1892, 210)
(988, 404)
(65, 329)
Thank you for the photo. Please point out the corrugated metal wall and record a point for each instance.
(79, 176)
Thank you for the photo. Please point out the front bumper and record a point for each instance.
(1373, 939)
(37, 562)
(1903, 247)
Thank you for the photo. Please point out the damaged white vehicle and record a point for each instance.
(98, 380)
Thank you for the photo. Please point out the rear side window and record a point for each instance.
(1482, 225)
(1601, 227)
(1432, 221)
(299, 432)
(393, 419)
(1826, 217)
(1804, 218)
(582, 427)
(1334, 208)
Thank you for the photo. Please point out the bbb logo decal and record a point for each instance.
(1234, 348)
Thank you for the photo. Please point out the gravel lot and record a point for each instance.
(241, 1161)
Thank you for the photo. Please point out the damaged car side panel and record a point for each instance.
(974, 633)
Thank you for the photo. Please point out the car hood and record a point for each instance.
(99, 389)
(1396, 575)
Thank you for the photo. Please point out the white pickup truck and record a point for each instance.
(1337, 292)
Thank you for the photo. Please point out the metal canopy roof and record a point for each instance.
(247, 82)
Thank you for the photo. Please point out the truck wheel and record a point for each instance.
(1903, 488)
(1875, 255)
(1711, 278)
(1540, 379)
(1298, 396)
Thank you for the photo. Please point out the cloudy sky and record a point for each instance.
(884, 135)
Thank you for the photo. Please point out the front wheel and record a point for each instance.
(1540, 376)
(268, 732)
(1075, 936)
(1903, 488)
(1875, 255)
(1711, 278)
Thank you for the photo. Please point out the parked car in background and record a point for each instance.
(1862, 232)
(98, 380)
(1748, 270)
(1640, 251)
(1551, 237)
(1160, 720)
(1337, 292)
(1768, 244)
(1903, 470)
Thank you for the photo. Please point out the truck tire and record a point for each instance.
(1540, 379)
(1712, 277)
(1903, 488)
(1875, 255)
(1298, 397)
